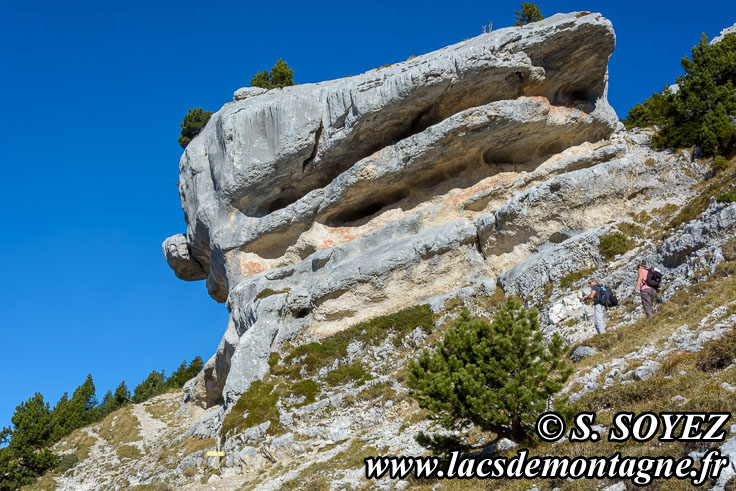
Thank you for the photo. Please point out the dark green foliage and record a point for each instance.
(107, 403)
(25, 456)
(66, 462)
(121, 396)
(496, 375)
(59, 418)
(185, 373)
(701, 111)
(194, 122)
(281, 76)
(613, 244)
(153, 385)
(728, 197)
(529, 13)
(719, 164)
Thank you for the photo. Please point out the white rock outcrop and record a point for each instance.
(314, 207)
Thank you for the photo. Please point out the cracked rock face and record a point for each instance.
(314, 207)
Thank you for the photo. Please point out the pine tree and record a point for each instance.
(194, 122)
(529, 13)
(496, 375)
(703, 109)
(60, 418)
(184, 373)
(82, 407)
(25, 457)
(122, 395)
(107, 404)
(153, 385)
(281, 76)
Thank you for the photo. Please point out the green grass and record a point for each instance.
(318, 476)
(728, 197)
(718, 186)
(313, 356)
(354, 372)
(570, 280)
(718, 354)
(128, 452)
(307, 388)
(259, 402)
(613, 244)
(630, 229)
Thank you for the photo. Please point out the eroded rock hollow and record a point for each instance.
(314, 207)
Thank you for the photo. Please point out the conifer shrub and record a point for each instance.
(194, 122)
(529, 13)
(153, 385)
(719, 164)
(702, 110)
(184, 373)
(496, 375)
(25, 455)
(280, 76)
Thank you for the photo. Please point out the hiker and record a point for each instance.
(647, 281)
(599, 310)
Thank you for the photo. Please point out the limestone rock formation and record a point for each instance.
(314, 207)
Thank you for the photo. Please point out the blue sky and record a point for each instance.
(92, 97)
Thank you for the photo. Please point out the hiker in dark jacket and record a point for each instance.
(599, 310)
(648, 294)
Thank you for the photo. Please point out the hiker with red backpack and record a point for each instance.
(648, 282)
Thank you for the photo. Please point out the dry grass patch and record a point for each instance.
(163, 409)
(120, 426)
(687, 306)
(318, 475)
(129, 452)
(79, 441)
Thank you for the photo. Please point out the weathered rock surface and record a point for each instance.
(315, 207)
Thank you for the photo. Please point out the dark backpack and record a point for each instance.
(606, 297)
(654, 278)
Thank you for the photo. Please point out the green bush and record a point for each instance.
(613, 244)
(496, 375)
(280, 76)
(728, 197)
(719, 164)
(529, 13)
(194, 121)
(700, 112)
